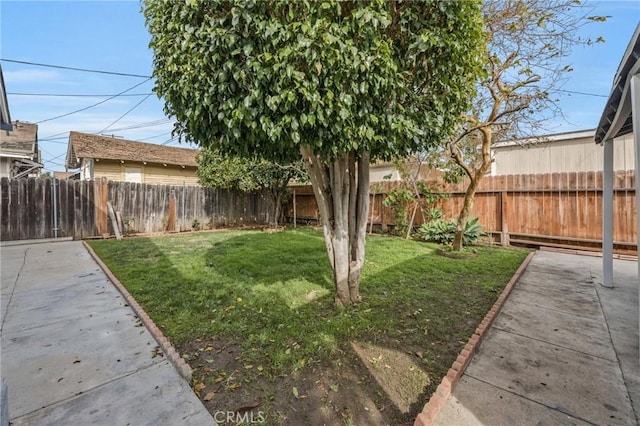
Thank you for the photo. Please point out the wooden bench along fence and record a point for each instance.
(559, 209)
(44, 208)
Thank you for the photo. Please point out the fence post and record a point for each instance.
(184, 205)
(55, 208)
(171, 222)
(295, 215)
(504, 230)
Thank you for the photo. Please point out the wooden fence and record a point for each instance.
(558, 209)
(44, 208)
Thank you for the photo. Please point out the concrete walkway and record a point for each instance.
(564, 350)
(73, 352)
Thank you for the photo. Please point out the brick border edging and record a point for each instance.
(170, 352)
(443, 391)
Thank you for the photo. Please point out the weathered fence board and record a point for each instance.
(27, 208)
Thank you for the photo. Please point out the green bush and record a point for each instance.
(472, 231)
(442, 231)
(439, 231)
(398, 200)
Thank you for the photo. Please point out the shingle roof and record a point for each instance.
(85, 145)
(21, 140)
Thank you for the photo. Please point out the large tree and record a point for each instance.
(217, 170)
(339, 84)
(528, 42)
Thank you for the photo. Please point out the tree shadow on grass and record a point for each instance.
(266, 300)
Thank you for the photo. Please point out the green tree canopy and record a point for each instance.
(216, 170)
(340, 83)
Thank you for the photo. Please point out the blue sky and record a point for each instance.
(111, 36)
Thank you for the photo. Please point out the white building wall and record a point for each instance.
(560, 155)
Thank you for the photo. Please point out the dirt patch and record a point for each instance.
(343, 392)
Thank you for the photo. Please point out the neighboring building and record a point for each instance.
(382, 171)
(66, 175)
(385, 171)
(130, 161)
(559, 153)
(19, 153)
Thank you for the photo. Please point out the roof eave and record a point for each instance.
(617, 110)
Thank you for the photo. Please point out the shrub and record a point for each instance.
(399, 200)
(472, 231)
(438, 231)
(441, 231)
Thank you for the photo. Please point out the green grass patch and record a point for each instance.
(272, 295)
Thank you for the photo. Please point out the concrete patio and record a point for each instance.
(74, 352)
(563, 350)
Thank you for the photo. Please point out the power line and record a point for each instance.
(132, 127)
(582, 93)
(94, 105)
(123, 115)
(74, 68)
(73, 95)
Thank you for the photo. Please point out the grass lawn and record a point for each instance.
(253, 314)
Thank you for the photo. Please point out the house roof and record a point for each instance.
(21, 141)
(5, 117)
(616, 118)
(85, 145)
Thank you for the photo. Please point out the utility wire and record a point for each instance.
(74, 68)
(132, 127)
(582, 93)
(74, 95)
(125, 114)
(94, 105)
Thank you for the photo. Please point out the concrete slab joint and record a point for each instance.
(73, 350)
(167, 348)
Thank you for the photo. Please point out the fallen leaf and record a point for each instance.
(209, 396)
(295, 391)
(235, 386)
(419, 354)
(249, 406)
(260, 368)
(199, 386)
(248, 366)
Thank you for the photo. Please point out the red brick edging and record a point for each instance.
(172, 355)
(440, 396)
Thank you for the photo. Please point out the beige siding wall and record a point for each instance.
(575, 155)
(151, 173)
(378, 172)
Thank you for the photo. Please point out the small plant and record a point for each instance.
(438, 231)
(441, 231)
(435, 213)
(195, 225)
(472, 231)
(398, 200)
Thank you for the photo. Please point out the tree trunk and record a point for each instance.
(475, 179)
(458, 237)
(341, 188)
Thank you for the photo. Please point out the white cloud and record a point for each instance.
(29, 76)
